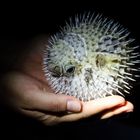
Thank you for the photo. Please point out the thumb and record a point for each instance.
(56, 103)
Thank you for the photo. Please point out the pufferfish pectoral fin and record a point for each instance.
(77, 44)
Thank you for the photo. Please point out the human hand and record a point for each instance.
(28, 92)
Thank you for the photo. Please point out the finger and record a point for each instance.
(96, 106)
(102, 104)
(56, 103)
(128, 107)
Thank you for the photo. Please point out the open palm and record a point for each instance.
(27, 91)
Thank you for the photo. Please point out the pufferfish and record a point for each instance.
(91, 57)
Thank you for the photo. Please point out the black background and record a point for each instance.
(21, 22)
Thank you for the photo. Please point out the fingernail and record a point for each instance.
(73, 106)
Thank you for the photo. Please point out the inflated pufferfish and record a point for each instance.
(90, 58)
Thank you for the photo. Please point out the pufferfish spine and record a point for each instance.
(91, 57)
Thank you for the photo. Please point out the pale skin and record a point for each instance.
(27, 91)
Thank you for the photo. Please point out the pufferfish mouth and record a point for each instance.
(91, 58)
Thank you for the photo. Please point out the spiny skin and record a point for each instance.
(90, 58)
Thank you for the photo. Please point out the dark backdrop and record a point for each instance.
(19, 23)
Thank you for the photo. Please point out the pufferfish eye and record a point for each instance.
(56, 71)
(70, 69)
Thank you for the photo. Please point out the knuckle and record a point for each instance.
(58, 107)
